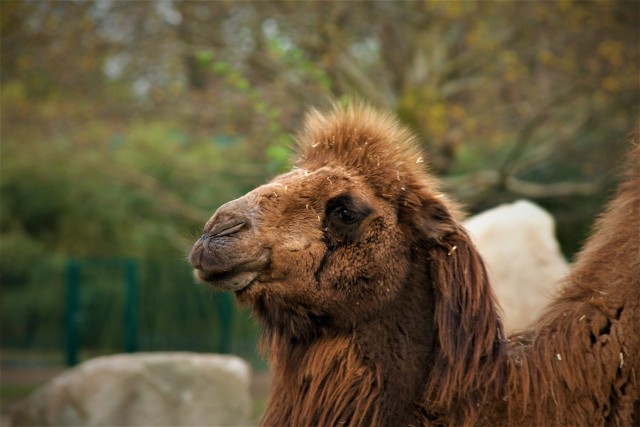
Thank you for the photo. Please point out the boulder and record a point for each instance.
(144, 389)
(523, 258)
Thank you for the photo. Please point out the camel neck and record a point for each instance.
(355, 377)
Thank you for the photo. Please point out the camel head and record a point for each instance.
(330, 243)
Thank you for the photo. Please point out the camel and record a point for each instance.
(376, 307)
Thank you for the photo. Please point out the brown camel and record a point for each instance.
(376, 307)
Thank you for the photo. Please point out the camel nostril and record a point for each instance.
(224, 229)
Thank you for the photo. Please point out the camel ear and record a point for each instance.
(469, 328)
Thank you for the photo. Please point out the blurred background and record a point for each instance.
(126, 124)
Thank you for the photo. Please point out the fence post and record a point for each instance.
(72, 313)
(224, 301)
(130, 332)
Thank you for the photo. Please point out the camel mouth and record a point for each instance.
(234, 277)
(226, 281)
(225, 258)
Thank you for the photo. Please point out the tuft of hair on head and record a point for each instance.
(365, 141)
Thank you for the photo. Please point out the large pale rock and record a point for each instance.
(523, 258)
(144, 389)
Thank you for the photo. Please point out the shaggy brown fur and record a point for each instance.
(376, 307)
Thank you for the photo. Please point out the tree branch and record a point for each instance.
(475, 186)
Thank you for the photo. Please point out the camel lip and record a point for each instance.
(225, 281)
(234, 278)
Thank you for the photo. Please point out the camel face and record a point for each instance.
(309, 238)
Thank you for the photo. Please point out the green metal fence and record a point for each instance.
(73, 308)
(101, 306)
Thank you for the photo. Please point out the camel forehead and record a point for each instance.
(303, 190)
(324, 180)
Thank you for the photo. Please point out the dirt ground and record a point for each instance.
(17, 381)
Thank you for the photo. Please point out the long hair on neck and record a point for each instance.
(471, 338)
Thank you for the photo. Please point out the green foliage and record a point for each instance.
(32, 307)
(277, 149)
(278, 156)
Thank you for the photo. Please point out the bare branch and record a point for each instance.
(473, 187)
(534, 190)
(363, 82)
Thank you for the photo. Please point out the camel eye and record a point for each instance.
(343, 213)
(347, 216)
